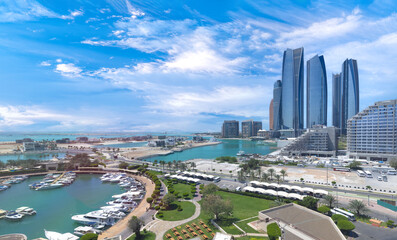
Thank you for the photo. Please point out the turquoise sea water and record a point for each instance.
(227, 148)
(123, 145)
(54, 207)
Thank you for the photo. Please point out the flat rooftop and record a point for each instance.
(302, 223)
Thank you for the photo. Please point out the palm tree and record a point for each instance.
(283, 173)
(330, 200)
(192, 165)
(259, 172)
(265, 177)
(369, 188)
(169, 165)
(277, 177)
(174, 164)
(358, 207)
(252, 175)
(271, 172)
(162, 163)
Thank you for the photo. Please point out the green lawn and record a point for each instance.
(251, 238)
(244, 225)
(173, 214)
(181, 188)
(144, 236)
(245, 206)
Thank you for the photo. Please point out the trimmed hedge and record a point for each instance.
(345, 225)
(273, 231)
(339, 217)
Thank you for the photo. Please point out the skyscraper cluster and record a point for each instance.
(287, 105)
(249, 128)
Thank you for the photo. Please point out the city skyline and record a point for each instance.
(134, 66)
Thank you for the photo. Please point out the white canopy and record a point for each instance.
(295, 196)
(284, 186)
(271, 192)
(307, 189)
(282, 194)
(320, 191)
(296, 188)
(273, 185)
(248, 189)
(255, 183)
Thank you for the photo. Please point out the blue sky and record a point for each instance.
(176, 65)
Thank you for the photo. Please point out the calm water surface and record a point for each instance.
(54, 207)
(227, 148)
(26, 156)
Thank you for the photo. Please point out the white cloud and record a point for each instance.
(68, 70)
(45, 64)
(134, 11)
(73, 14)
(22, 10)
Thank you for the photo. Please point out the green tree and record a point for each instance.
(210, 189)
(393, 163)
(123, 165)
(135, 225)
(310, 202)
(278, 178)
(241, 175)
(271, 172)
(168, 199)
(265, 177)
(355, 165)
(273, 231)
(89, 236)
(330, 200)
(345, 225)
(149, 200)
(358, 207)
(216, 206)
(369, 188)
(283, 173)
(323, 209)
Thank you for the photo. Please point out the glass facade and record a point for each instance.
(271, 115)
(292, 89)
(336, 100)
(316, 92)
(230, 129)
(277, 105)
(350, 92)
(374, 131)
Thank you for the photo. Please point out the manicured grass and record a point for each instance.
(181, 188)
(244, 225)
(173, 214)
(246, 206)
(155, 172)
(144, 236)
(251, 238)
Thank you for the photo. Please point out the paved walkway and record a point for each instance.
(121, 227)
(159, 227)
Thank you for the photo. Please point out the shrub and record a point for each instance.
(149, 200)
(390, 223)
(157, 207)
(273, 231)
(179, 208)
(323, 209)
(338, 217)
(185, 195)
(123, 165)
(160, 215)
(345, 225)
(171, 190)
(89, 236)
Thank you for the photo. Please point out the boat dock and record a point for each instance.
(57, 179)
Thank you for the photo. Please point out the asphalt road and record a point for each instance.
(368, 232)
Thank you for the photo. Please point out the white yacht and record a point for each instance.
(12, 215)
(240, 153)
(127, 194)
(80, 231)
(50, 235)
(47, 186)
(116, 207)
(25, 211)
(118, 178)
(94, 217)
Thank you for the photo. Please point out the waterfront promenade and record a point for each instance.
(121, 227)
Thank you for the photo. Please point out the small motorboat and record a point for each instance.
(3, 187)
(12, 215)
(82, 230)
(25, 211)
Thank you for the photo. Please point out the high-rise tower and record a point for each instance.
(336, 100)
(292, 90)
(316, 92)
(277, 105)
(271, 119)
(350, 92)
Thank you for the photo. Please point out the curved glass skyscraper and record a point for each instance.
(292, 90)
(336, 99)
(350, 92)
(316, 92)
(277, 105)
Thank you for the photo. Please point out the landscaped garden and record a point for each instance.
(177, 211)
(181, 189)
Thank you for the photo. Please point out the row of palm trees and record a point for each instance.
(175, 165)
(258, 174)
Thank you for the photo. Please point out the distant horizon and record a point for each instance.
(177, 66)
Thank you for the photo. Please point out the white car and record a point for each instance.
(380, 178)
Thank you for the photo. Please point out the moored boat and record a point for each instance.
(12, 215)
(25, 211)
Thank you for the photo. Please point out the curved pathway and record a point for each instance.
(159, 227)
